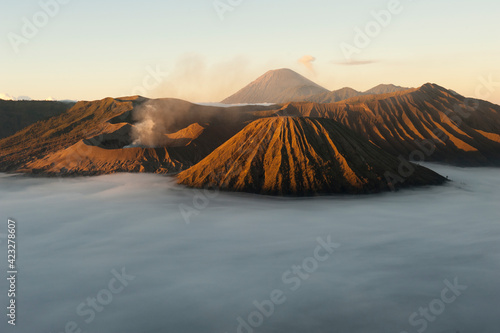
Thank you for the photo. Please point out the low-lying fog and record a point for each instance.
(391, 256)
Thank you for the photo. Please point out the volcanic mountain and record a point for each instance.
(136, 134)
(99, 137)
(301, 156)
(429, 123)
(276, 86)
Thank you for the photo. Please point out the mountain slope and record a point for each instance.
(16, 115)
(277, 86)
(442, 125)
(300, 156)
(84, 120)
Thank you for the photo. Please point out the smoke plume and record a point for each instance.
(152, 123)
(194, 79)
(307, 61)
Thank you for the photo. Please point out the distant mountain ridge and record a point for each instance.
(384, 89)
(284, 85)
(333, 96)
(346, 93)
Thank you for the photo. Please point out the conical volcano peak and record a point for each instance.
(276, 86)
(285, 77)
(300, 156)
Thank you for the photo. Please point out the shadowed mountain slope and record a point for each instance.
(300, 156)
(16, 115)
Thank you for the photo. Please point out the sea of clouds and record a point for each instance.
(394, 254)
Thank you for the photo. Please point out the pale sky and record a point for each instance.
(95, 49)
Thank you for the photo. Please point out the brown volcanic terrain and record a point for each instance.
(430, 120)
(84, 120)
(300, 156)
(277, 86)
(91, 138)
(136, 134)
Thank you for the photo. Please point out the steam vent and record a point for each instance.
(297, 156)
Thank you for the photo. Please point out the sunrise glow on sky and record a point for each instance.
(203, 51)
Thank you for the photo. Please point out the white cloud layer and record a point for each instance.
(396, 250)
